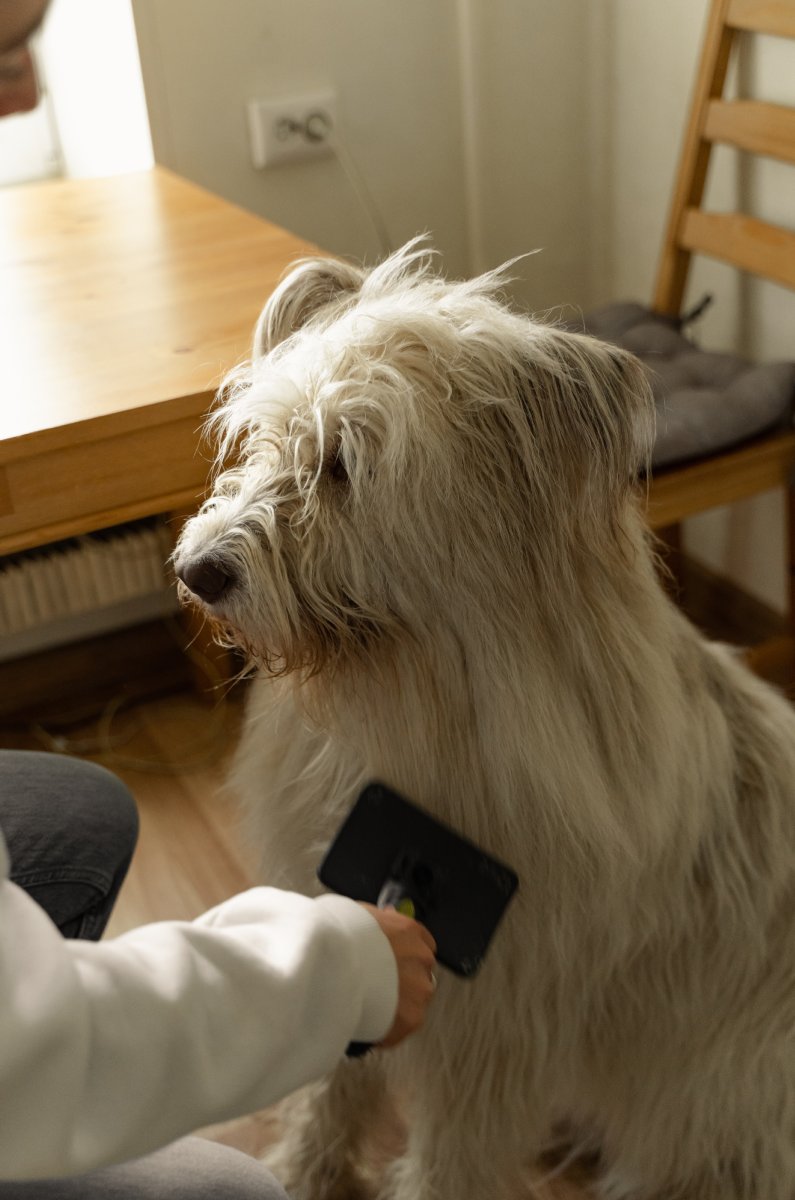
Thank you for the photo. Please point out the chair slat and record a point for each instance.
(694, 158)
(726, 478)
(752, 125)
(763, 16)
(744, 242)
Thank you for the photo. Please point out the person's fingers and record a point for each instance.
(427, 937)
(414, 949)
(394, 923)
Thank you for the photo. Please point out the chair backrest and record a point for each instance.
(753, 126)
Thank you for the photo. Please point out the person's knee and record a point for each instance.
(106, 804)
(66, 800)
(71, 828)
(190, 1169)
(196, 1168)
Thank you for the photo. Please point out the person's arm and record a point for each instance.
(108, 1050)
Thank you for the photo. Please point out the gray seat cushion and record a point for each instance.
(706, 402)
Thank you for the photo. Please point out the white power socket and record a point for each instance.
(291, 128)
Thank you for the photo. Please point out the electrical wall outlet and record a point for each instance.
(292, 128)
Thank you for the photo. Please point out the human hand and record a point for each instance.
(415, 954)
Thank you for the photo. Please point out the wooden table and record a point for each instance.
(123, 301)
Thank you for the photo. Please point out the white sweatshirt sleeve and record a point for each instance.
(111, 1049)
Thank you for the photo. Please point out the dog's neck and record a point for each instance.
(519, 710)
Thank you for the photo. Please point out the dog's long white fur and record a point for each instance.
(434, 528)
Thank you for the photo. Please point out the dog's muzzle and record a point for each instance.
(208, 578)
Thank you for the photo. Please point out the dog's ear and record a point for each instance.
(616, 409)
(610, 406)
(310, 286)
(588, 414)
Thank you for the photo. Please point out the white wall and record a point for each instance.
(533, 145)
(395, 69)
(407, 85)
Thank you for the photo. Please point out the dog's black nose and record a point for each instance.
(207, 578)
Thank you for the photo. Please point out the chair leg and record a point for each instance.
(774, 659)
(789, 516)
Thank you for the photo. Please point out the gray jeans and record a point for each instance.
(71, 829)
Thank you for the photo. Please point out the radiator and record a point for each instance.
(82, 587)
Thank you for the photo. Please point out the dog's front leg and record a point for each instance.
(444, 1162)
(318, 1156)
(463, 1142)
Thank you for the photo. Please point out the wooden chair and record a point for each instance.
(765, 461)
(743, 241)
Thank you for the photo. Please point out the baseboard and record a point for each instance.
(69, 684)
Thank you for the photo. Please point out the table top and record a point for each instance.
(123, 301)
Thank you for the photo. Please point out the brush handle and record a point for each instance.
(358, 1049)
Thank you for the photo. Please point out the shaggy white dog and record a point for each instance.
(430, 541)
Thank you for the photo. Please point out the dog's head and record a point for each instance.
(405, 450)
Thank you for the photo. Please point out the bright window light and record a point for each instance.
(29, 146)
(93, 74)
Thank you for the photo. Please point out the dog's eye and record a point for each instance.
(335, 468)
